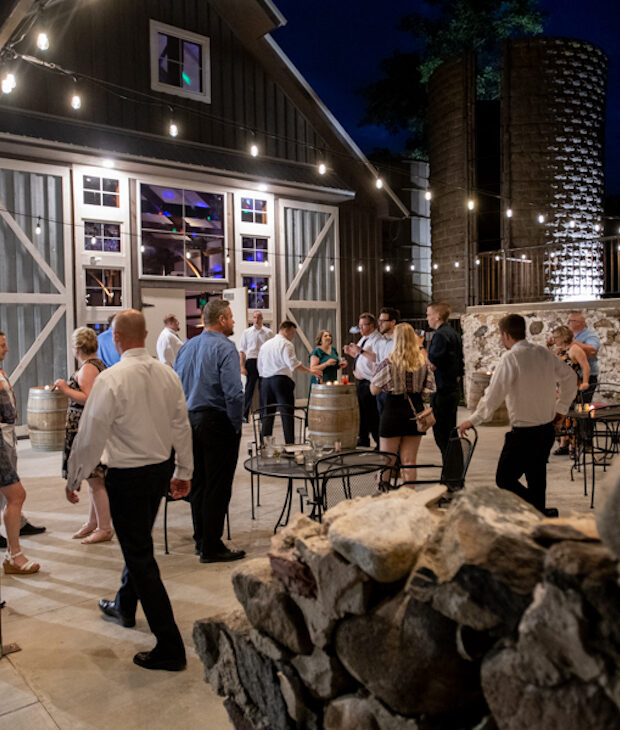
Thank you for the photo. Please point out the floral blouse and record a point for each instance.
(397, 381)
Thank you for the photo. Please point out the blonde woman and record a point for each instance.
(98, 527)
(405, 376)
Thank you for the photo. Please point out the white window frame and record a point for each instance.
(184, 185)
(156, 27)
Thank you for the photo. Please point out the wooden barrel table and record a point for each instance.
(333, 415)
(47, 414)
(478, 383)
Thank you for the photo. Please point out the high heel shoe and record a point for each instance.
(26, 569)
(98, 535)
(85, 530)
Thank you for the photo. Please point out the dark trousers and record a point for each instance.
(250, 384)
(369, 415)
(135, 495)
(445, 403)
(216, 450)
(278, 389)
(525, 452)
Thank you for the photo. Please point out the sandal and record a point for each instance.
(98, 535)
(26, 569)
(86, 529)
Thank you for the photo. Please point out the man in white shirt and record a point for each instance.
(526, 377)
(388, 319)
(134, 416)
(168, 342)
(277, 362)
(252, 339)
(363, 369)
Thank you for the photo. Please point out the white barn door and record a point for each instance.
(309, 276)
(36, 293)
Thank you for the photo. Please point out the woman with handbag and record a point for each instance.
(405, 376)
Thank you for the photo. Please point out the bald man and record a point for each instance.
(132, 420)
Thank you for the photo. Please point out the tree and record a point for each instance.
(445, 29)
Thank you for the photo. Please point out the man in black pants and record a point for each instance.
(277, 362)
(526, 377)
(134, 416)
(208, 366)
(445, 354)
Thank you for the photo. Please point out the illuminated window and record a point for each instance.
(103, 287)
(102, 237)
(253, 210)
(258, 291)
(182, 233)
(100, 191)
(254, 249)
(179, 62)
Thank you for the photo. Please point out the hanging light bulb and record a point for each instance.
(37, 229)
(332, 267)
(227, 258)
(571, 224)
(412, 267)
(597, 228)
(508, 212)
(43, 42)
(435, 267)
(477, 262)
(523, 256)
(379, 183)
(496, 258)
(76, 101)
(254, 150)
(93, 241)
(266, 262)
(322, 168)
(388, 267)
(360, 267)
(456, 264)
(541, 218)
(300, 264)
(173, 130)
(8, 83)
(427, 195)
(470, 204)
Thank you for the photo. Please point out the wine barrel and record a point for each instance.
(478, 383)
(47, 414)
(333, 415)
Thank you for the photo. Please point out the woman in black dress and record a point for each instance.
(405, 376)
(98, 527)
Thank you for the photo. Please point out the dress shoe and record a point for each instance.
(223, 555)
(561, 451)
(3, 542)
(550, 512)
(29, 529)
(109, 609)
(150, 660)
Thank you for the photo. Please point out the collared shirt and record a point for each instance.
(382, 347)
(364, 368)
(277, 357)
(445, 352)
(208, 366)
(168, 345)
(526, 377)
(106, 349)
(253, 339)
(589, 337)
(134, 416)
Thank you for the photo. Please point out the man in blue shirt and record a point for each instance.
(209, 368)
(106, 349)
(589, 342)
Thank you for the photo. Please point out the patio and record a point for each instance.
(75, 669)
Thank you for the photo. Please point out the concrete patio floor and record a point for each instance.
(75, 669)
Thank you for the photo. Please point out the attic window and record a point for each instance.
(180, 62)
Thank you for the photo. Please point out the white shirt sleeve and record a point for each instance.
(95, 423)
(243, 342)
(288, 353)
(182, 438)
(496, 392)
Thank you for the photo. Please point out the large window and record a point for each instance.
(258, 291)
(182, 233)
(179, 62)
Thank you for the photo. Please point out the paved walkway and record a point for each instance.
(75, 669)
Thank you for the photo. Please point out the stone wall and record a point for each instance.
(398, 614)
(482, 347)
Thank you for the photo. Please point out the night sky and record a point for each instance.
(337, 46)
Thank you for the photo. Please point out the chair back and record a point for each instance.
(457, 458)
(349, 474)
(298, 414)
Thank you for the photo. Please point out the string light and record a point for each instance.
(360, 268)
(497, 258)
(322, 168)
(173, 130)
(227, 258)
(435, 267)
(262, 187)
(43, 42)
(107, 162)
(456, 264)
(93, 241)
(332, 267)
(541, 218)
(470, 204)
(427, 195)
(412, 267)
(571, 224)
(76, 101)
(379, 183)
(597, 228)
(508, 212)
(266, 262)
(254, 150)
(37, 230)
(8, 83)
(388, 267)
(300, 264)
(477, 262)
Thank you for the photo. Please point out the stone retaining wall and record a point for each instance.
(396, 614)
